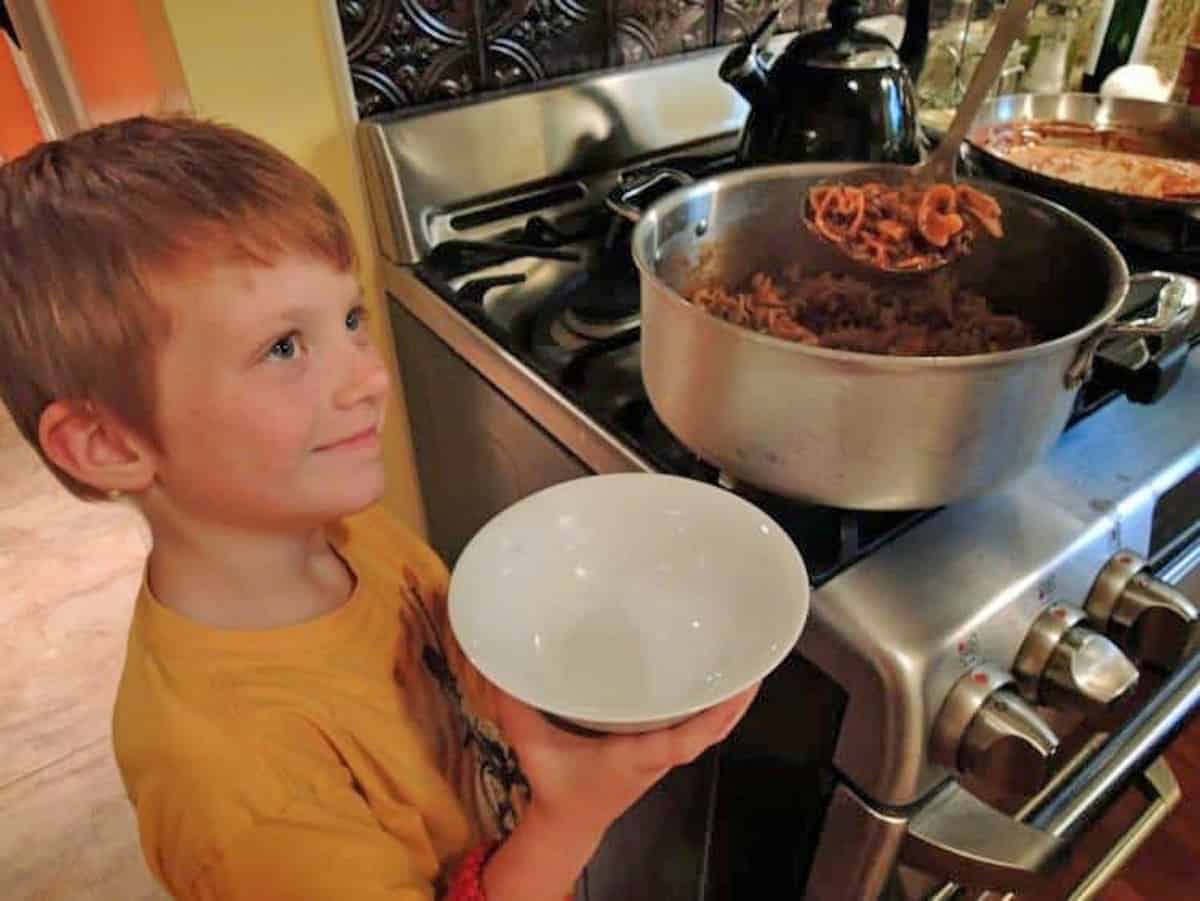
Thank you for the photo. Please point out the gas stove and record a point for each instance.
(950, 653)
(556, 288)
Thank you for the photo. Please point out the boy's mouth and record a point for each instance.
(368, 437)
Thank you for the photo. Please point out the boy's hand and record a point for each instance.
(582, 783)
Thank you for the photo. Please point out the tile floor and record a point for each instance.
(68, 572)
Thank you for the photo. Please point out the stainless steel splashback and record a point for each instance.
(419, 167)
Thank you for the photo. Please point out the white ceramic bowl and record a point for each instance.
(628, 602)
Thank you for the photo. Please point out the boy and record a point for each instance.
(181, 325)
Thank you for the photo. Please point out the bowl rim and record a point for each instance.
(612, 717)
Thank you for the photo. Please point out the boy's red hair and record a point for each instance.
(91, 224)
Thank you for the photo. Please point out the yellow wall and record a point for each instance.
(277, 68)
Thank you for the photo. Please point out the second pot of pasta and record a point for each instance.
(775, 358)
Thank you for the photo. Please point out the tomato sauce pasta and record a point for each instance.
(846, 313)
(908, 228)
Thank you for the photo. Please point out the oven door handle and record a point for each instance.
(959, 837)
(1159, 783)
(1161, 789)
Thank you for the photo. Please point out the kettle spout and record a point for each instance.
(744, 71)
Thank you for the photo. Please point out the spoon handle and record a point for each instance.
(1009, 26)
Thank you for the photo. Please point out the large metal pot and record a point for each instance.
(860, 430)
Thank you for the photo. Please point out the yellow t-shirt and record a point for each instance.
(353, 756)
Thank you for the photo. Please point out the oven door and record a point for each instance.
(1076, 835)
(741, 822)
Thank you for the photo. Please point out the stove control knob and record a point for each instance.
(1152, 621)
(1064, 664)
(1007, 745)
(986, 730)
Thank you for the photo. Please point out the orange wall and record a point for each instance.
(110, 56)
(19, 129)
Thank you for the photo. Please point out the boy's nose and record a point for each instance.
(367, 380)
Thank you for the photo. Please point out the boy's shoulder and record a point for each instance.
(189, 676)
(376, 538)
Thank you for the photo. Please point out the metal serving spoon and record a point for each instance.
(940, 166)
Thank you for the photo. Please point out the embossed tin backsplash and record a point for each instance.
(405, 53)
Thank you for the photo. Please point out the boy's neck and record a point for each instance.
(230, 578)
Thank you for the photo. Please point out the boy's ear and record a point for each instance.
(95, 448)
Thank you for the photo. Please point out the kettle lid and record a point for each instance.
(843, 45)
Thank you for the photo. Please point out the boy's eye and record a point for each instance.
(355, 318)
(284, 348)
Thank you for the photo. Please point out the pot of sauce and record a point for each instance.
(1109, 159)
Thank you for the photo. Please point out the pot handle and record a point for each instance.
(1178, 299)
(621, 198)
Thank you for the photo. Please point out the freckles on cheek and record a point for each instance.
(235, 429)
(278, 426)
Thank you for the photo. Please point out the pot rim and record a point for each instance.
(670, 201)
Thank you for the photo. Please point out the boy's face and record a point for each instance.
(270, 397)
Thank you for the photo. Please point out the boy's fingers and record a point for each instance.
(739, 704)
(522, 723)
(736, 708)
(659, 750)
(688, 740)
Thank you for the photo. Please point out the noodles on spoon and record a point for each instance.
(907, 229)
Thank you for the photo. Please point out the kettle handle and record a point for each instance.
(915, 43)
(747, 53)
(742, 68)
(762, 33)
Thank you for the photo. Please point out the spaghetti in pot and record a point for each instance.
(906, 228)
(846, 313)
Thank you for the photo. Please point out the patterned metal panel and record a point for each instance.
(549, 38)
(407, 53)
(647, 29)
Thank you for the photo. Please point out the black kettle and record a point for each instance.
(840, 93)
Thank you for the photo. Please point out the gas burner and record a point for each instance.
(608, 295)
(601, 305)
(458, 257)
(566, 342)
(581, 324)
